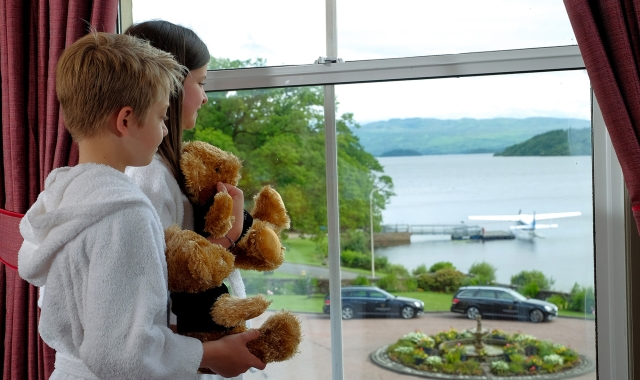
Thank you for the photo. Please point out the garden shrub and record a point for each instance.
(381, 263)
(355, 240)
(353, 259)
(426, 281)
(421, 269)
(255, 284)
(303, 286)
(558, 300)
(447, 280)
(409, 284)
(389, 283)
(582, 298)
(398, 270)
(526, 277)
(361, 280)
(482, 273)
(531, 290)
(441, 265)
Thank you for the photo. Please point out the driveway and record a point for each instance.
(363, 336)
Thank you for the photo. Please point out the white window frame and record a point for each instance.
(609, 234)
(613, 322)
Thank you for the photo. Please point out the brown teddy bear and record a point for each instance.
(196, 267)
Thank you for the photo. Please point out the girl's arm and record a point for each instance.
(229, 356)
(238, 212)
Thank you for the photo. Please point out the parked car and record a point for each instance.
(501, 302)
(373, 301)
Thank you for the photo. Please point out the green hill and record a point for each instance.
(460, 136)
(571, 142)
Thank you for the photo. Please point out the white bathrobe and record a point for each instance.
(96, 242)
(157, 182)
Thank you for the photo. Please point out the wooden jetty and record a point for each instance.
(397, 234)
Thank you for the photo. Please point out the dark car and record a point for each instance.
(492, 301)
(373, 301)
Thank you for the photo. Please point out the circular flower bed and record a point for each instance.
(521, 354)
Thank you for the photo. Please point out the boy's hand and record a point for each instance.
(229, 356)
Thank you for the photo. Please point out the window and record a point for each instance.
(483, 293)
(377, 295)
(246, 30)
(505, 296)
(478, 78)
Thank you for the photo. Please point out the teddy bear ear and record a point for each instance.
(193, 170)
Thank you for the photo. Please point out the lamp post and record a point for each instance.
(373, 269)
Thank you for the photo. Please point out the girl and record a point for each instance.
(162, 181)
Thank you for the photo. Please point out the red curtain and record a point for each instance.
(608, 35)
(33, 33)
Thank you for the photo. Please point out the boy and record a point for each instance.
(93, 237)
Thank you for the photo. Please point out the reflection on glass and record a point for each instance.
(279, 135)
(280, 32)
(437, 170)
(418, 28)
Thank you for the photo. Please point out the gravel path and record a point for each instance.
(363, 336)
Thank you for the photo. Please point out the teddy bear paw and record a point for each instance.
(231, 311)
(280, 336)
(268, 206)
(260, 249)
(193, 263)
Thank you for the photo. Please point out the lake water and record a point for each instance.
(447, 189)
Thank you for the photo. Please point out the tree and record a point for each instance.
(279, 135)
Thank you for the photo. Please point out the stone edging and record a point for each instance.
(380, 358)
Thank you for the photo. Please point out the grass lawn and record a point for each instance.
(301, 251)
(575, 314)
(314, 304)
(297, 303)
(432, 302)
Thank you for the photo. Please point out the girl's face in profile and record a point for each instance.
(194, 96)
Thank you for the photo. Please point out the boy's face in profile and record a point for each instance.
(147, 135)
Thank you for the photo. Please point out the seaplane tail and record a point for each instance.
(526, 224)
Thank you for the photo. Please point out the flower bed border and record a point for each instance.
(381, 358)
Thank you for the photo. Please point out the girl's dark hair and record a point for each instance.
(190, 51)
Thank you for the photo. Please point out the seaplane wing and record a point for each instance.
(526, 218)
(527, 224)
(556, 215)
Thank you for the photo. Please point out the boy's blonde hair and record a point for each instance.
(103, 72)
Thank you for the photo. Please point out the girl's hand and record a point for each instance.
(238, 204)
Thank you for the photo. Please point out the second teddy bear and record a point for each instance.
(201, 301)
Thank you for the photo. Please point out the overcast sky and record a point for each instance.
(287, 32)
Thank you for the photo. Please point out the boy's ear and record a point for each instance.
(125, 120)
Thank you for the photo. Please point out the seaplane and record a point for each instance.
(526, 225)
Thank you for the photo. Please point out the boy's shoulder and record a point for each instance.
(95, 186)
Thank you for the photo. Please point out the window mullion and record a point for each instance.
(333, 210)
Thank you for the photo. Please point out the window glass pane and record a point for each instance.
(377, 295)
(486, 294)
(279, 135)
(504, 296)
(280, 32)
(418, 28)
(431, 164)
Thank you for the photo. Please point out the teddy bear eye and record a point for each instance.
(217, 170)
